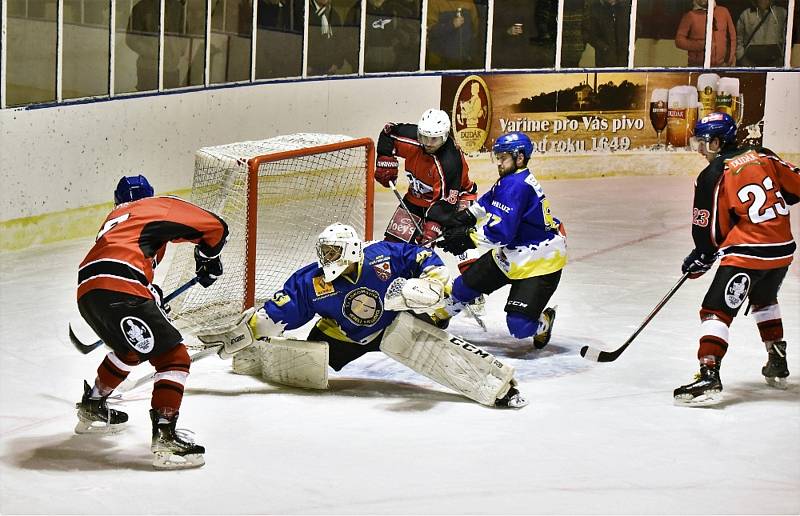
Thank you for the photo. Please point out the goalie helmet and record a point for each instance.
(132, 188)
(433, 129)
(338, 246)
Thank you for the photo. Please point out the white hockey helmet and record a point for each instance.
(433, 129)
(338, 246)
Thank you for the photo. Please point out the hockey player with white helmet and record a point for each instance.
(362, 293)
(526, 245)
(435, 168)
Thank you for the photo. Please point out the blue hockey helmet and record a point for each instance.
(132, 188)
(513, 143)
(716, 125)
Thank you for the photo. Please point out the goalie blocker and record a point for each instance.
(430, 351)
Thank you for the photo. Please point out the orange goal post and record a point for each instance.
(276, 196)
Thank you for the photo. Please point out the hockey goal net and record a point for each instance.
(276, 196)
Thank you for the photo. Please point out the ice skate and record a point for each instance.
(776, 370)
(705, 390)
(512, 399)
(478, 305)
(541, 339)
(94, 416)
(173, 449)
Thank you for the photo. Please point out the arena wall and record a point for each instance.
(59, 164)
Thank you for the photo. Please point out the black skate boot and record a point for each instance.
(512, 399)
(94, 416)
(776, 370)
(707, 387)
(541, 339)
(172, 449)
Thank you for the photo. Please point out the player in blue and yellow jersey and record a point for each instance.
(526, 245)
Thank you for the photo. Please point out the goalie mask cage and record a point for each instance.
(276, 195)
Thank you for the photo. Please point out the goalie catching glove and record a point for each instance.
(419, 295)
(252, 326)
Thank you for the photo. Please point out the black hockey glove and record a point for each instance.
(207, 269)
(458, 239)
(158, 294)
(445, 214)
(697, 263)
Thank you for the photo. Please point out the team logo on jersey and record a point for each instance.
(383, 270)
(362, 306)
(472, 114)
(736, 290)
(321, 287)
(138, 334)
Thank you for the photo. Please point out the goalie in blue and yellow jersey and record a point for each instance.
(526, 246)
(362, 293)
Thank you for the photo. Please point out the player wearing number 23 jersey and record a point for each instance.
(740, 215)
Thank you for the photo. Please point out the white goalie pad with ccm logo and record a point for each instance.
(447, 359)
(293, 362)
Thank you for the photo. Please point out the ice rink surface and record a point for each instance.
(595, 439)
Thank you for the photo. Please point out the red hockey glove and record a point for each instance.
(386, 170)
(431, 230)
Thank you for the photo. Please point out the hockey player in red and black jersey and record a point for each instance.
(435, 168)
(741, 216)
(117, 298)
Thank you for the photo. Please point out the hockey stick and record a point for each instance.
(609, 356)
(88, 348)
(200, 355)
(467, 307)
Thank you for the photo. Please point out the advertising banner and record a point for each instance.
(566, 113)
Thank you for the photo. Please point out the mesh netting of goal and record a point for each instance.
(276, 196)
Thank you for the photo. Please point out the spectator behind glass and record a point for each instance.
(280, 39)
(524, 33)
(572, 42)
(332, 46)
(691, 35)
(392, 34)
(453, 28)
(606, 26)
(761, 35)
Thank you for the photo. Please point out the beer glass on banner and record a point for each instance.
(692, 111)
(727, 90)
(677, 133)
(707, 90)
(658, 112)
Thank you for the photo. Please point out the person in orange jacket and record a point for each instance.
(691, 35)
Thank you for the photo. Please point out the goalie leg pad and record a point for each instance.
(447, 359)
(298, 363)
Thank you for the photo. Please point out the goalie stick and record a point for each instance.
(596, 355)
(467, 307)
(88, 348)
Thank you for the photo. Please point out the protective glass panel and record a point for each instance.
(760, 31)
(673, 32)
(524, 33)
(184, 42)
(604, 36)
(279, 39)
(136, 45)
(392, 38)
(456, 35)
(333, 37)
(231, 40)
(795, 62)
(85, 69)
(31, 52)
